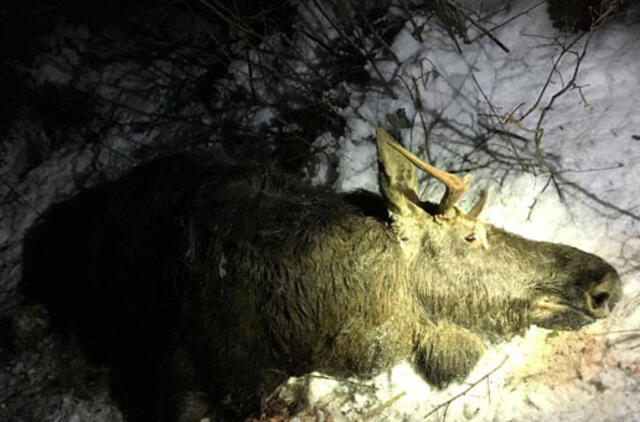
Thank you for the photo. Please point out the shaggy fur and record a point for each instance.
(195, 279)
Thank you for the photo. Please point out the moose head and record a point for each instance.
(564, 288)
(472, 282)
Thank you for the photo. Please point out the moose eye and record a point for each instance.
(470, 238)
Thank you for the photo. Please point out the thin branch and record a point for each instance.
(539, 131)
(21, 198)
(595, 198)
(465, 391)
(556, 63)
(494, 111)
(486, 32)
(511, 19)
(383, 406)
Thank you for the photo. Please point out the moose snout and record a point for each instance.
(603, 295)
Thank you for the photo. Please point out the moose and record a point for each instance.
(204, 284)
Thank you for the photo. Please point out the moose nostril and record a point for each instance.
(602, 296)
(600, 299)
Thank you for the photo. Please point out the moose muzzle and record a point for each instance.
(603, 295)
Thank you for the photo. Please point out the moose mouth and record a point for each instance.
(551, 311)
(548, 312)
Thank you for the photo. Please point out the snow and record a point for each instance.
(589, 149)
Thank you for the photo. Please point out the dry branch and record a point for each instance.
(466, 390)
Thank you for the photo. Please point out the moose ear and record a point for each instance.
(397, 176)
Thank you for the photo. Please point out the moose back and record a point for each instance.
(209, 283)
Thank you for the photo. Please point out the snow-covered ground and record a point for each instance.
(586, 195)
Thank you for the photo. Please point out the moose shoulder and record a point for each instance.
(220, 279)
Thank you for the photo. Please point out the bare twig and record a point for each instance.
(494, 112)
(343, 380)
(539, 131)
(466, 390)
(597, 199)
(507, 21)
(417, 31)
(486, 32)
(383, 406)
(448, 15)
(556, 63)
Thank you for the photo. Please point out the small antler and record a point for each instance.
(477, 208)
(455, 185)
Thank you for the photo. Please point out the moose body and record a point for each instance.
(220, 279)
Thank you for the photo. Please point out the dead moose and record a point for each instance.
(202, 282)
